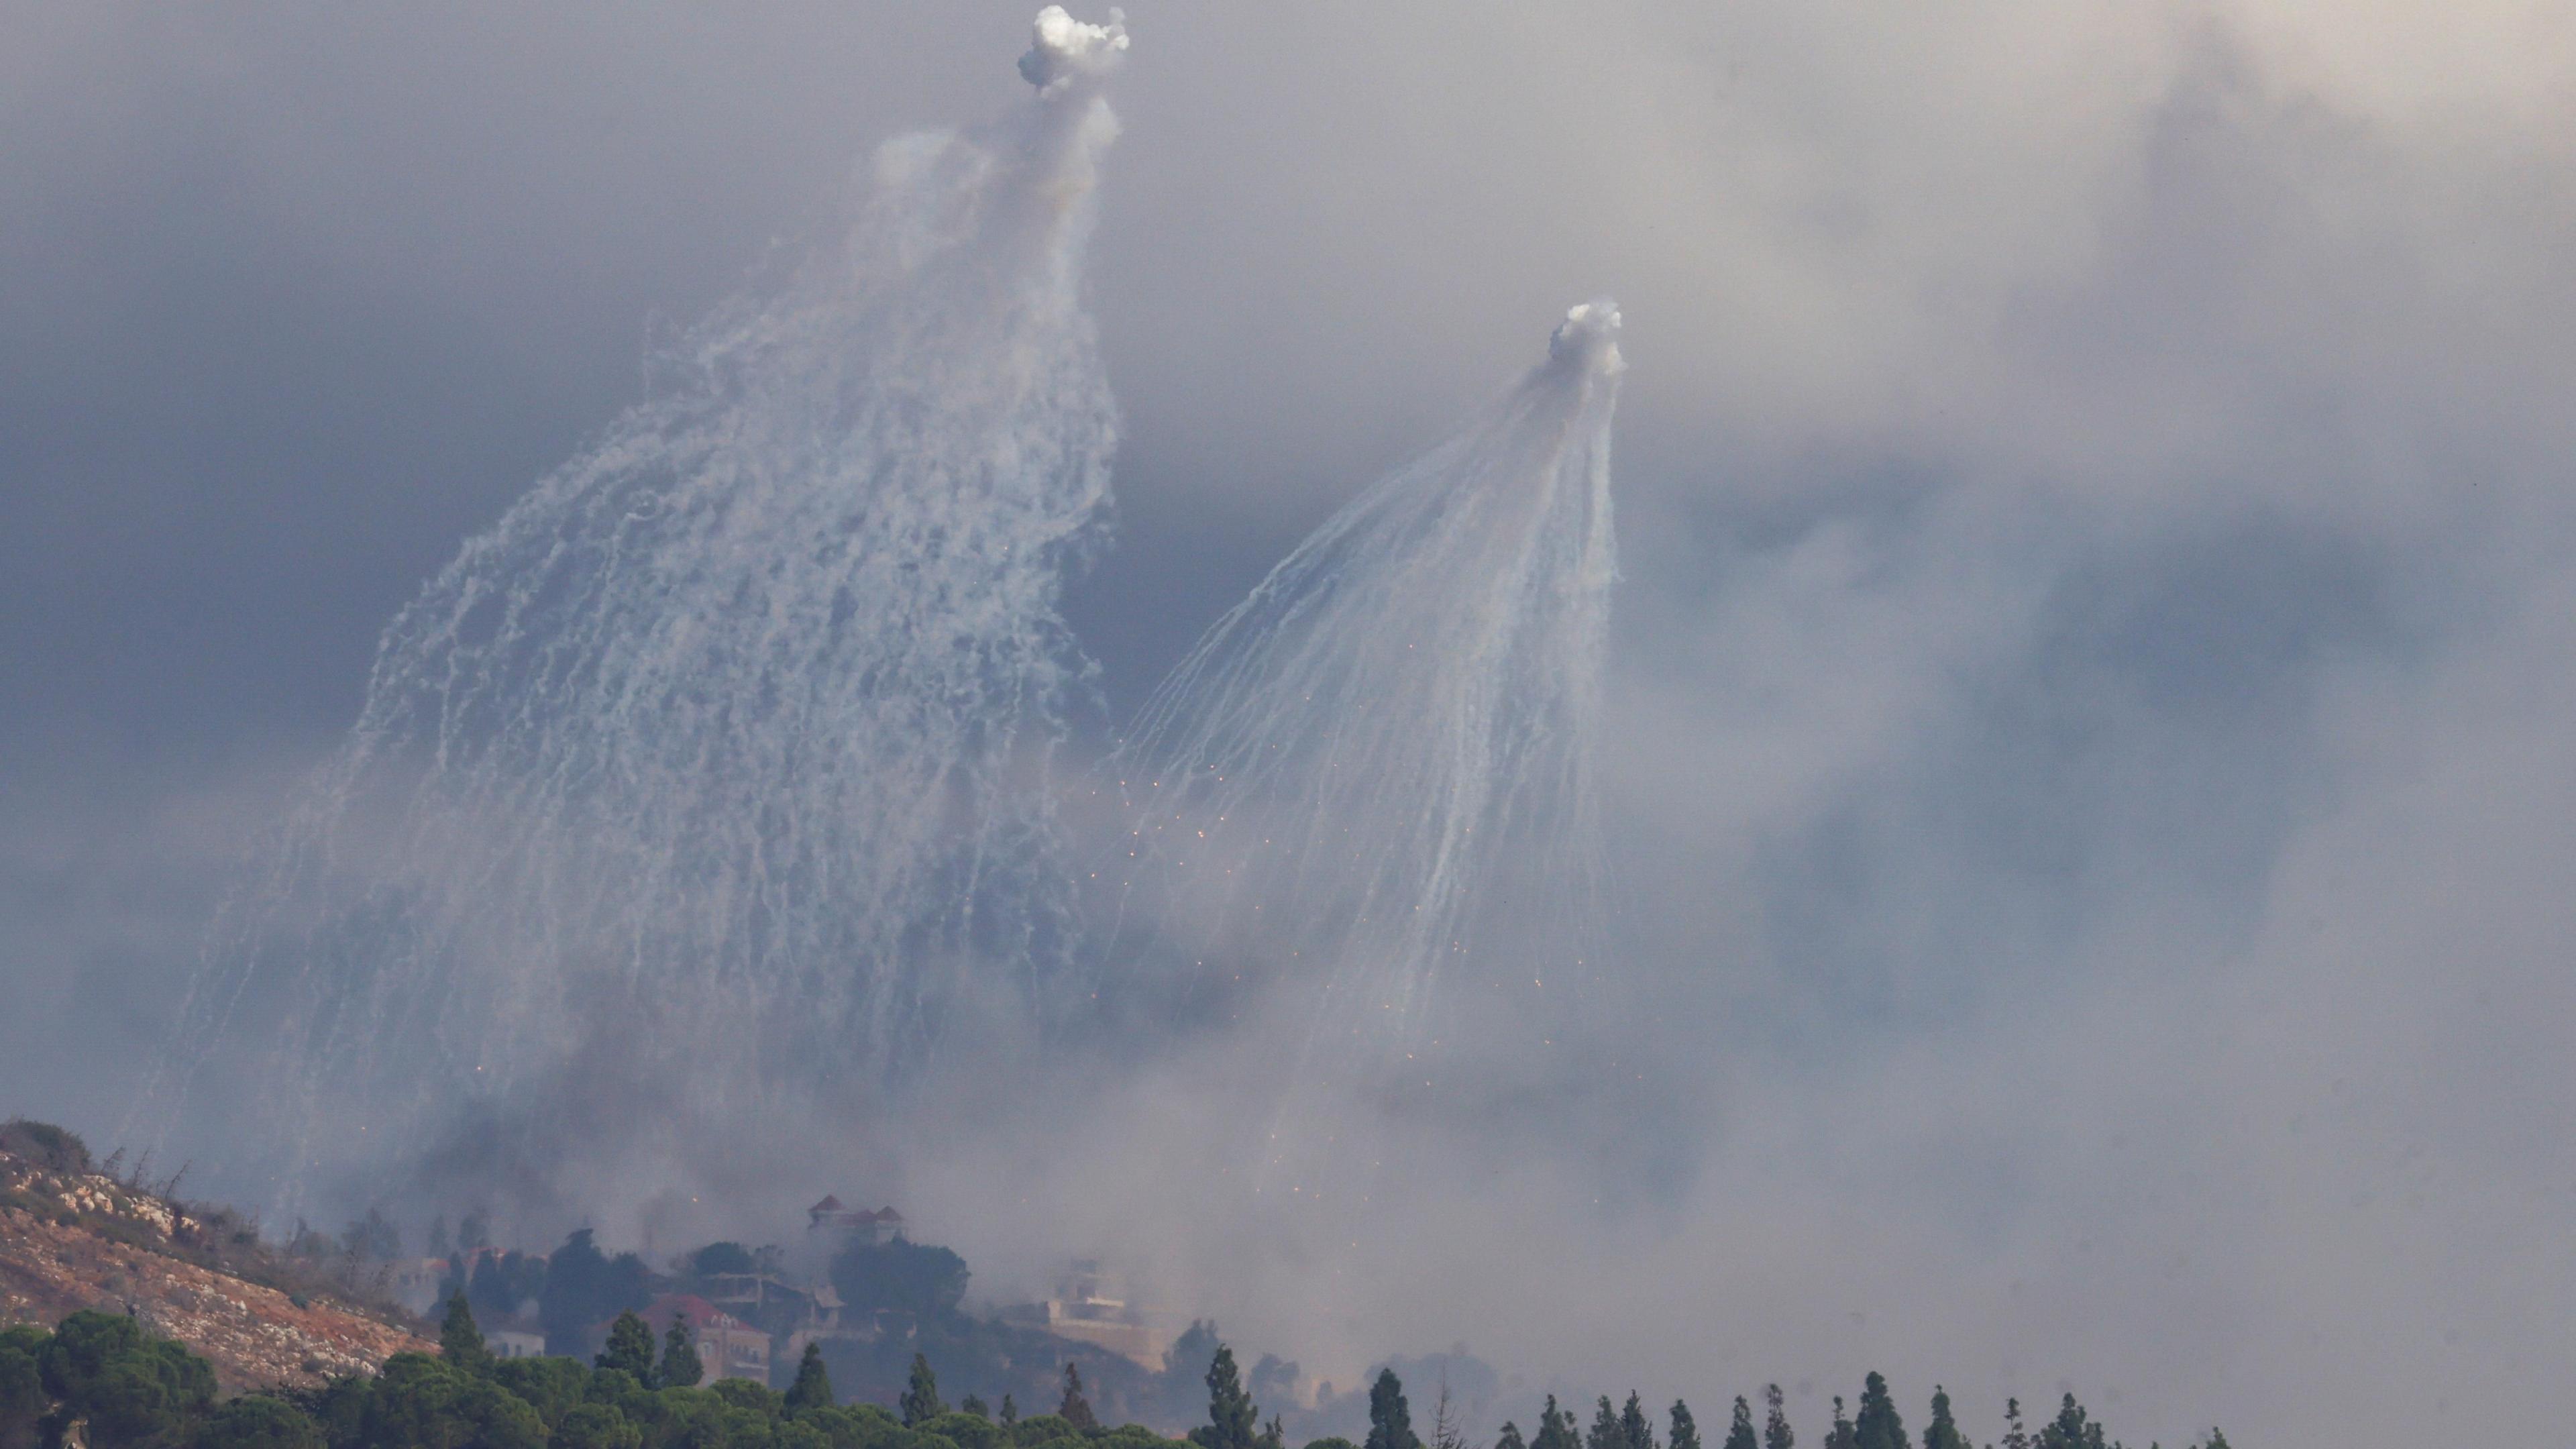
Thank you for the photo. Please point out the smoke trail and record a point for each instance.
(1376, 771)
(740, 721)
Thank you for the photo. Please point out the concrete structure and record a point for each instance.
(857, 1225)
(1084, 1311)
(728, 1348)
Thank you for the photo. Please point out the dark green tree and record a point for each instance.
(681, 1368)
(1510, 1438)
(132, 1392)
(1739, 1432)
(905, 1277)
(460, 1341)
(1776, 1433)
(1635, 1432)
(630, 1348)
(2215, 1440)
(1273, 1435)
(1555, 1428)
(1943, 1431)
(2015, 1436)
(1010, 1410)
(1842, 1435)
(23, 1400)
(920, 1402)
(1075, 1410)
(595, 1426)
(1878, 1426)
(1605, 1432)
(1685, 1429)
(1232, 1416)
(813, 1386)
(2071, 1429)
(974, 1407)
(259, 1421)
(1390, 1418)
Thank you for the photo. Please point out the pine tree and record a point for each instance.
(460, 1341)
(1685, 1434)
(1231, 1413)
(920, 1402)
(1510, 1438)
(813, 1386)
(1555, 1428)
(1605, 1432)
(2015, 1436)
(1943, 1431)
(1010, 1410)
(2070, 1429)
(1878, 1426)
(630, 1347)
(2216, 1440)
(1390, 1418)
(1776, 1433)
(1842, 1435)
(974, 1407)
(1076, 1410)
(681, 1367)
(1739, 1433)
(1634, 1431)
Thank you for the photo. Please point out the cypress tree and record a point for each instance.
(1685, 1434)
(813, 1386)
(1943, 1431)
(1390, 1418)
(1879, 1427)
(1634, 1431)
(1555, 1428)
(1076, 1410)
(2015, 1436)
(1010, 1410)
(630, 1347)
(2071, 1429)
(460, 1341)
(1776, 1433)
(1231, 1414)
(1842, 1435)
(1739, 1434)
(920, 1402)
(681, 1367)
(1510, 1438)
(1605, 1432)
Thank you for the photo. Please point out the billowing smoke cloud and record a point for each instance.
(710, 783)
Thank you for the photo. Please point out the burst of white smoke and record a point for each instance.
(1067, 50)
(1374, 777)
(711, 780)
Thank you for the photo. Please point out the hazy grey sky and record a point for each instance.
(2092, 777)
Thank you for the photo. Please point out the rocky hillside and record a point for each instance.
(73, 1237)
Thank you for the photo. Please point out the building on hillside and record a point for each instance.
(728, 1348)
(1084, 1311)
(415, 1283)
(856, 1225)
(515, 1343)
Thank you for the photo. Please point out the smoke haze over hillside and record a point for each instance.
(2085, 774)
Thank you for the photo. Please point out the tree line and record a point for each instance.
(102, 1381)
(1877, 1424)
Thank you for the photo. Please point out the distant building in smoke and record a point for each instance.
(728, 1348)
(854, 1225)
(515, 1343)
(1083, 1311)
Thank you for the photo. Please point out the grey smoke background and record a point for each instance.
(2090, 692)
